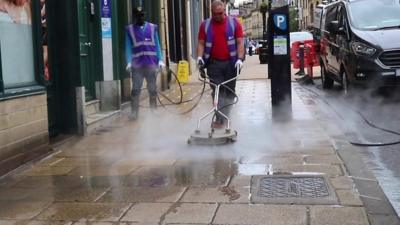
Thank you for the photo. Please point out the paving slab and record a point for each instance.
(324, 143)
(143, 194)
(112, 223)
(21, 210)
(14, 193)
(67, 181)
(215, 195)
(310, 150)
(323, 159)
(77, 194)
(342, 182)
(35, 181)
(60, 194)
(331, 170)
(84, 211)
(151, 162)
(338, 215)
(48, 171)
(152, 176)
(34, 222)
(240, 181)
(146, 212)
(349, 198)
(274, 159)
(103, 170)
(77, 161)
(79, 150)
(261, 214)
(43, 222)
(191, 213)
(186, 224)
(253, 169)
(10, 222)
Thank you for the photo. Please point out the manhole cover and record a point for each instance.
(292, 189)
(310, 187)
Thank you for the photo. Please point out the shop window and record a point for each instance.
(16, 44)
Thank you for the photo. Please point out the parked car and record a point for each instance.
(360, 43)
(263, 51)
(257, 48)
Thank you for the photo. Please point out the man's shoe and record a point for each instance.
(133, 115)
(153, 102)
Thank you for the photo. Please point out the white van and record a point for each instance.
(300, 36)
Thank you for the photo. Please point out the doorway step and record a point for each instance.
(95, 118)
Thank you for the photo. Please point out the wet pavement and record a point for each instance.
(144, 172)
(358, 114)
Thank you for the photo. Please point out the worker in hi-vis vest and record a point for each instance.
(143, 57)
(220, 49)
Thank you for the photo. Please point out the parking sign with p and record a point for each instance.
(280, 21)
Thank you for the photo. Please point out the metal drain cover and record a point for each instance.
(292, 190)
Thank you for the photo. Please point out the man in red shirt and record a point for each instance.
(220, 49)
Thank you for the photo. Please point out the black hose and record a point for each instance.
(168, 99)
(365, 120)
(181, 101)
(199, 96)
(374, 144)
(375, 126)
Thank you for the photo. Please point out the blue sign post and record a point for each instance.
(280, 21)
(106, 18)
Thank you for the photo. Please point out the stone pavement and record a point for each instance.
(143, 172)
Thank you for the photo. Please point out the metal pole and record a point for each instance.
(264, 35)
(1, 75)
(269, 12)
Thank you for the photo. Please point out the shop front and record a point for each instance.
(23, 99)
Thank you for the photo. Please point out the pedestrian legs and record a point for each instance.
(151, 80)
(229, 90)
(220, 71)
(137, 82)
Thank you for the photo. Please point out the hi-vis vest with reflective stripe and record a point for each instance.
(144, 50)
(230, 38)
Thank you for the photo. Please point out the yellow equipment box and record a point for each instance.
(183, 71)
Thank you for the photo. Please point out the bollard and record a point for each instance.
(301, 59)
(309, 64)
(309, 59)
(310, 72)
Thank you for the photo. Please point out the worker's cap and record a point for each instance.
(138, 11)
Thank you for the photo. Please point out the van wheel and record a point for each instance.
(327, 82)
(345, 82)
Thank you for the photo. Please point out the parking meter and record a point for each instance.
(279, 52)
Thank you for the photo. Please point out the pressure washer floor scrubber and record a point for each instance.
(214, 136)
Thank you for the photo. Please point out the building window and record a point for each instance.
(16, 44)
(177, 32)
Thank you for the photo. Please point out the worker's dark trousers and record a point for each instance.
(138, 75)
(220, 71)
